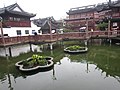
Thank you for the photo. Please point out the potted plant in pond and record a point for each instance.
(35, 62)
(76, 49)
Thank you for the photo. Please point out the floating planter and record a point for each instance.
(35, 62)
(76, 49)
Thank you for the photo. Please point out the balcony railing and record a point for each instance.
(18, 23)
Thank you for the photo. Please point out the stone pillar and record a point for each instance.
(86, 43)
(30, 47)
(5, 49)
(10, 52)
(110, 41)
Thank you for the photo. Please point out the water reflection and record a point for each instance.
(10, 83)
(7, 76)
(89, 71)
(17, 50)
(54, 76)
(87, 68)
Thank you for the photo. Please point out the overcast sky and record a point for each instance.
(46, 8)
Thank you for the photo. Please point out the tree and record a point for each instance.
(102, 26)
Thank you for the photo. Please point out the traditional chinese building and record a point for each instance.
(82, 17)
(110, 12)
(47, 24)
(16, 21)
(90, 16)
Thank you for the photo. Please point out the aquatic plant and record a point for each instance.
(35, 60)
(75, 47)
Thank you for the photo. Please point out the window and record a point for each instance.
(26, 31)
(15, 19)
(18, 19)
(114, 24)
(5, 34)
(33, 31)
(11, 18)
(18, 32)
(38, 31)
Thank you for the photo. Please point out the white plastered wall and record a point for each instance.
(12, 31)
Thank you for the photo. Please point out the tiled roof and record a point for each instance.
(115, 4)
(44, 23)
(107, 6)
(100, 7)
(10, 9)
(83, 9)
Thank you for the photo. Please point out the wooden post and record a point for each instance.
(86, 27)
(50, 29)
(109, 28)
(2, 35)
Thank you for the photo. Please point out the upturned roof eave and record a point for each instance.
(19, 13)
(80, 11)
(10, 8)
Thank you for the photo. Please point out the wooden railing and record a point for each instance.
(55, 37)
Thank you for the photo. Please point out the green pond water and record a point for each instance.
(98, 69)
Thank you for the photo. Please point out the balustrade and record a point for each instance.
(55, 37)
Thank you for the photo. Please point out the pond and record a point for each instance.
(98, 69)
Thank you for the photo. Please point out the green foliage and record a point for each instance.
(35, 60)
(102, 26)
(42, 62)
(31, 63)
(25, 63)
(75, 47)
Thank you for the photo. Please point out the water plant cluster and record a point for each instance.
(75, 47)
(35, 60)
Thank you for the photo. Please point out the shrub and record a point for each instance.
(102, 26)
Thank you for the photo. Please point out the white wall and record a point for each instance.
(12, 31)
